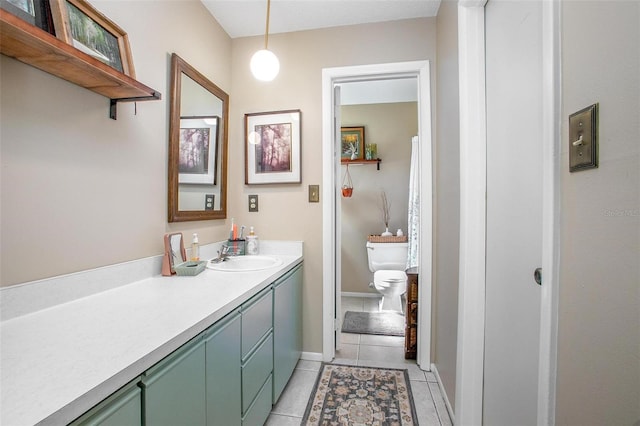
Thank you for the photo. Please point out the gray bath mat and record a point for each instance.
(383, 323)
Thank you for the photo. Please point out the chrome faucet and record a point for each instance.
(223, 254)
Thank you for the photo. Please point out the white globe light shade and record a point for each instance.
(264, 65)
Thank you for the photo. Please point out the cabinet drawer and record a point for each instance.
(259, 411)
(255, 371)
(256, 320)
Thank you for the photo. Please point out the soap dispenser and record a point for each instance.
(195, 248)
(252, 242)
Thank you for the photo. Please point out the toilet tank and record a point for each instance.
(387, 256)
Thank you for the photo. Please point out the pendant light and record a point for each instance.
(264, 64)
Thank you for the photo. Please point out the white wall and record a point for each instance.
(599, 312)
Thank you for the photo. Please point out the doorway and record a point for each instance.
(331, 78)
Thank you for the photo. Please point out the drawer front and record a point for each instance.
(256, 320)
(174, 390)
(255, 371)
(259, 411)
(122, 408)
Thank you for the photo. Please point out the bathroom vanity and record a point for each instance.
(215, 349)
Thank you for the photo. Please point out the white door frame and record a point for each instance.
(471, 295)
(330, 190)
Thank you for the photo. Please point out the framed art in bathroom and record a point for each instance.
(197, 161)
(352, 147)
(81, 25)
(35, 12)
(272, 147)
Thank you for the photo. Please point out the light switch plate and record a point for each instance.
(253, 203)
(314, 193)
(583, 139)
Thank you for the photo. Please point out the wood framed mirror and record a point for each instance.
(198, 139)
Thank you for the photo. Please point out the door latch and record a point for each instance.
(537, 275)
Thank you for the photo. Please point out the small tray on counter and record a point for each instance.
(190, 268)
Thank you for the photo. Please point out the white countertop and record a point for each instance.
(59, 362)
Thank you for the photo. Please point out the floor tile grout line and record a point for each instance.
(436, 405)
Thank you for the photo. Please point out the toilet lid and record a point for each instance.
(389, 276)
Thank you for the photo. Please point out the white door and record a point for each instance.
(514, 211)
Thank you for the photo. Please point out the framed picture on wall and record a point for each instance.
(35, 12)
(82, 26)
(272, 147)
(352, 147)
(197, 161)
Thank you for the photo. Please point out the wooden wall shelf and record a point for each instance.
(36, 47)
(377, 161)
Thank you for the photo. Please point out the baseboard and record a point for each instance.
(354, 294)
(447, 404)
(311, 356)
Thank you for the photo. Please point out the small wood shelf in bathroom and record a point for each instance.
(376, 161)
(36, 47)
(411, 315)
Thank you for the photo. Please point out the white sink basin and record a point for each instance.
(245, 263)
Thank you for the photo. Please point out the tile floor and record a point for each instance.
(365, 350)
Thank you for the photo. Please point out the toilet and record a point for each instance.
(388, 261)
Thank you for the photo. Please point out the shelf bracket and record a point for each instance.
(113, 103)
(378, 163)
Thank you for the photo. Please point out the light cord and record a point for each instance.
(266, 32)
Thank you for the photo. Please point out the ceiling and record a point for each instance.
(243, 18)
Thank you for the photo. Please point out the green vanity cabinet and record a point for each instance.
(228, 375)
(223, 368)
(257, 357)
(174, 390)
(123, 408)
(287, 328)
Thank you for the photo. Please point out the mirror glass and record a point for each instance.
(197, 146)
(176, 247)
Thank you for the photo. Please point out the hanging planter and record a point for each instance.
(347, 184)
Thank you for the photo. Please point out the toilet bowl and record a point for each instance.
(392, 285)
(387, 261)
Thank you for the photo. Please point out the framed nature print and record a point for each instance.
(197, 161)
(35, 12)
(82, 26)
(352, 147)
(272, 147)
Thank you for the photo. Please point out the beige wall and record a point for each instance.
(80, 190)
(447, 200)
(284, 209)
(599, 312)
(391, 127)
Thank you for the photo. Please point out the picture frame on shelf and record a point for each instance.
(81, 25)
(352, 143)
(273, 147)
(198, 160)
(34, 12)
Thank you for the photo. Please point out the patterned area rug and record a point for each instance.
(357, 396)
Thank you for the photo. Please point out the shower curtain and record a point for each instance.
(413, 254)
